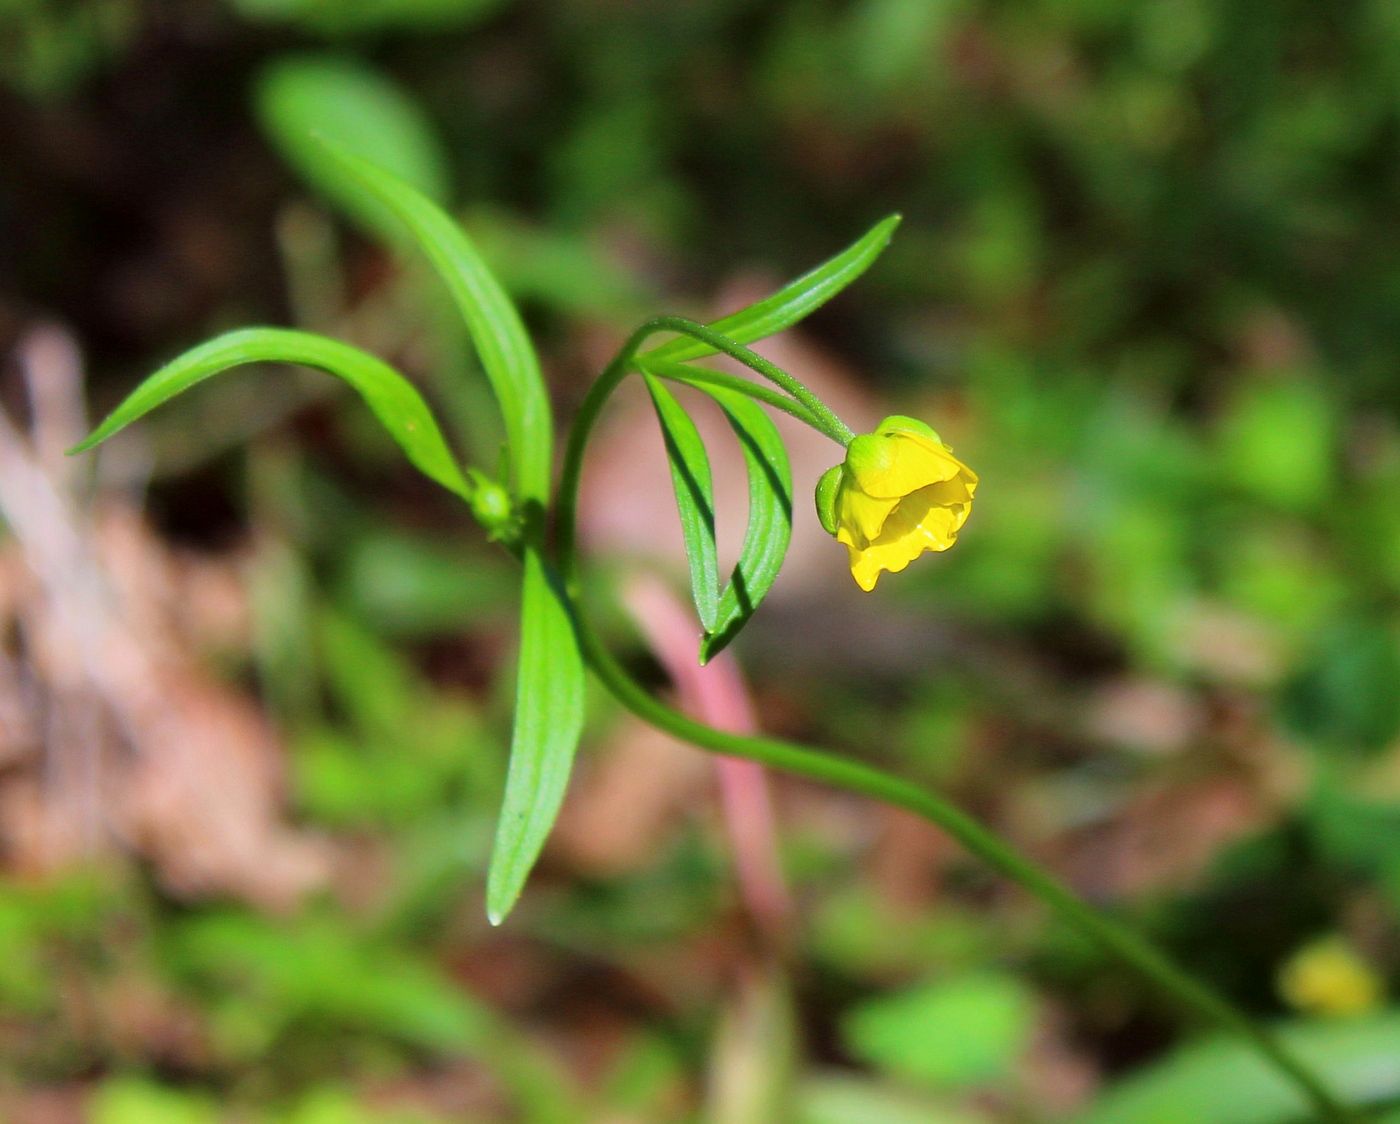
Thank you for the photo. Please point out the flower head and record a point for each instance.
(1328, 977)
(899, 493)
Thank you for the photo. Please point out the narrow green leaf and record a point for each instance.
(792, 302)
(695, 499)
(506, 354)
(548, 721)
(392, 397)
(691, 375)
(360, 109)
(770, 517)
(549, 695)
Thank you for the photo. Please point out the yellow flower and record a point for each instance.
(899, 493)
(1328, 977)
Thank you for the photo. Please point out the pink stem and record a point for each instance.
(716, 694)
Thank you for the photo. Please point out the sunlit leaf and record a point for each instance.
(695, 499)
(703, 377)
(549, 694)
(393, 399)
(947, 1034)
(506, 353)
(770, 518)
(792, 302)
(300, 97)
(548, 721)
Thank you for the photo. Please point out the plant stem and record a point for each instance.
(717, 695)
(691, 375)
(822, 417)
(854, 776)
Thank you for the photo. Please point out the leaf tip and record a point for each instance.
(83, 446)
(500, 898)
(713, 643)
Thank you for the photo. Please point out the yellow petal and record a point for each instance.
(860, 514)
(928, 520)
(865, 568)
(897, 464)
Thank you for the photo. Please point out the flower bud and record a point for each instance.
(1328, 977)
(492, 506)
(899, 492)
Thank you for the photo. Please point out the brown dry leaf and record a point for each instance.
(123, 738)
(63, 1104)
(1151, 716)
(1165, 837)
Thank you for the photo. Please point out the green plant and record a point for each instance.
(518, 508)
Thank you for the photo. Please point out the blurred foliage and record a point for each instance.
(47, 48)
(1148, 285)
(967, 1031)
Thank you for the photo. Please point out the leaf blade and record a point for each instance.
(770, 518)
(549, 702)
(695, 498)
(391, 397)
(507, 356)
(298, 95)
(793, 301)
(690, 375)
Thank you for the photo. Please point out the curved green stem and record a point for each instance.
(854, 776)
(822, 417)
(691, 375)
(566, 503)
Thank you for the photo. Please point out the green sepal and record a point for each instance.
(827, 488)
(869, 453)
(896, 423)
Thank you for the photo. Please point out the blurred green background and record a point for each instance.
(1147, 284)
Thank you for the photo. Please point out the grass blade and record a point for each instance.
(548, 721)
(695, 499)
(792, 302)
(770, 517)
(393, 398)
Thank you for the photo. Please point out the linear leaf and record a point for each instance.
(506, 353)
(695, 498)
(351, 103)
(691, 375)
(392, 397)
(792, 302)
(770, 517)
(548, 721)
(549, 694)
